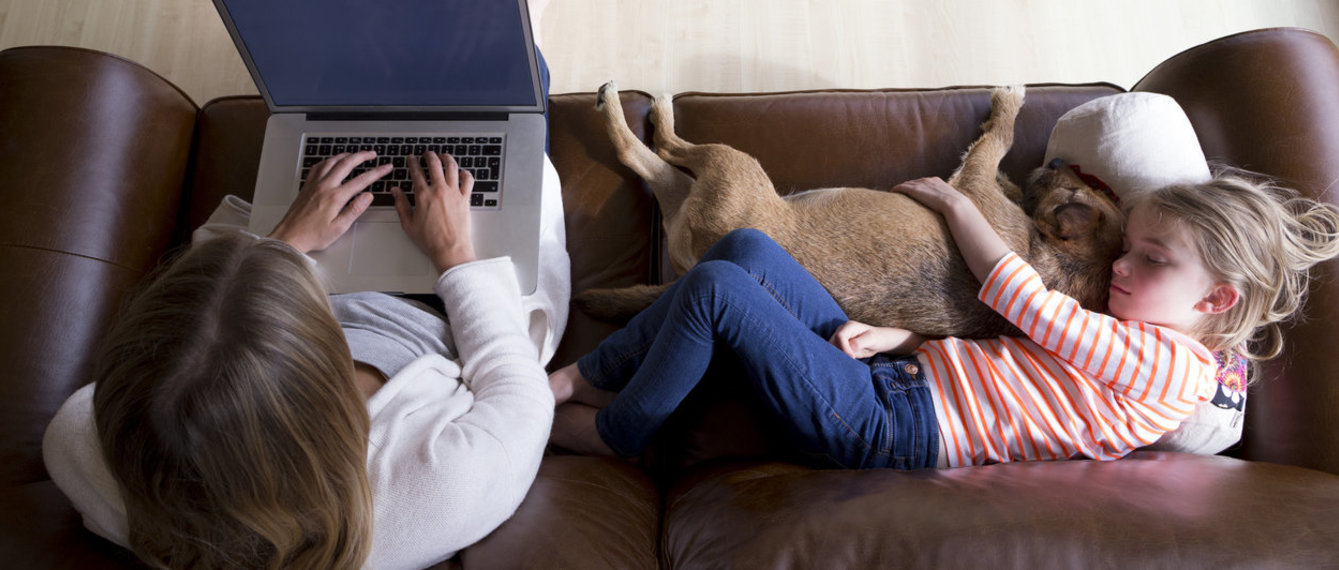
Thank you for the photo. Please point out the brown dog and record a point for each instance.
(908, 274)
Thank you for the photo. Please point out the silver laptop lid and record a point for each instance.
(388, 56)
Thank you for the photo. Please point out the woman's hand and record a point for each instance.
(327, 205)
(439, 221)
(859, 340)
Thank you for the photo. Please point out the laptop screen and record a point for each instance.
(412, 55)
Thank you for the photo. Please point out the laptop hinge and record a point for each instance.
(407, 116)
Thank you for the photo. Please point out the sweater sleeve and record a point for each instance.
(452, 459)
(73, 457)
(1159, 371)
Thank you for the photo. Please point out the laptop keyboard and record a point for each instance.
(480, 154)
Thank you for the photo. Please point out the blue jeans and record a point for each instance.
(749, 296)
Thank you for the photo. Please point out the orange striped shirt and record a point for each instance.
(1081, 384)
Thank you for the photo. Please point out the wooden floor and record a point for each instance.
(668, 46)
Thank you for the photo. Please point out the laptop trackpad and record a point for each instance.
(384, 249)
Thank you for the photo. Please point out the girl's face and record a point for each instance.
(1159, 278)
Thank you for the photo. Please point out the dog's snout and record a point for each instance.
(1056, 164)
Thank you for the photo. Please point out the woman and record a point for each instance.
(231, 424)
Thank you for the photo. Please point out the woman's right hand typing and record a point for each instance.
(439, 220)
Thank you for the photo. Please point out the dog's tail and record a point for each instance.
(617, 305)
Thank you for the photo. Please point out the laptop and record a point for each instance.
(399, 77)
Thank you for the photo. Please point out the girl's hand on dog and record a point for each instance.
(933, 193)
(859, 340)
(980, 246)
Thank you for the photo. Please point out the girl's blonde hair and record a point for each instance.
(227, 412)
(1259, 237)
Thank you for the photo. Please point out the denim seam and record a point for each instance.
(608, 364)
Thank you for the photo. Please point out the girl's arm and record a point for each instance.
(980, 246)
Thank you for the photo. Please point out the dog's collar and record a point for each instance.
(1095, 182)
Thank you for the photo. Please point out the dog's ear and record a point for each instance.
(1075, 221)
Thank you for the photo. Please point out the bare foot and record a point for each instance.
(574, 430)
(567, 383)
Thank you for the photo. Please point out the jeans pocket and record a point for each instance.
(901, 430)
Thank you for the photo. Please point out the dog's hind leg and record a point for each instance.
(727, 178)
(669, 184)
(981, 163)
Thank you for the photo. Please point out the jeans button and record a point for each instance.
(911, 368)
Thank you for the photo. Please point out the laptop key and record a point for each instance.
(485, 186)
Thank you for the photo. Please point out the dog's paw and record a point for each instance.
(608, 94)
(1008, 94)
(1006, 101)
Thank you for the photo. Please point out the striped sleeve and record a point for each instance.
(1154, 369)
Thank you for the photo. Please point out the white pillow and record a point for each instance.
(1131, 142)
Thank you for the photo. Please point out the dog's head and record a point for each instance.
(1082, 223)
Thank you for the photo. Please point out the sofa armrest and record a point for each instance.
(228, 136)
(95, 151)
(1266, 101)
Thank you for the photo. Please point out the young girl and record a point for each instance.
(1205, 268)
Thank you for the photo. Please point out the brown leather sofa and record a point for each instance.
(105, 167)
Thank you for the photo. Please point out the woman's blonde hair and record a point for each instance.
(1260, 238)
(227, 412)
